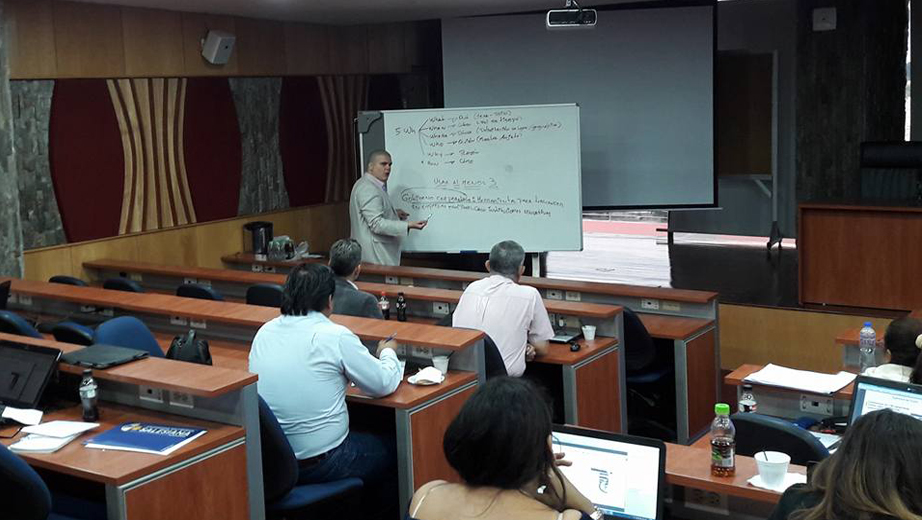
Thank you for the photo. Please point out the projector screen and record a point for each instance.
(644, 81)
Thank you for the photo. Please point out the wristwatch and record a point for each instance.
(596, 515)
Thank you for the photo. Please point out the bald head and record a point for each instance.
(379, 165)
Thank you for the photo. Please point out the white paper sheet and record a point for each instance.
(805, 380)
(23, 415)
(60, 428)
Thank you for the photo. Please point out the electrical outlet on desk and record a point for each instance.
(189, 280)
(441, 308)
(706, 501)
(554, 294)
(181, 399)
(816, 404)
(137, 277)
(256, 268)
(421, 352)
(572, 296)
(149, 393)
(393, 280)
(649, 304)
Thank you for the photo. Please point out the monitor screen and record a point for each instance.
(622, 475)
(874, 394)
(24, 372)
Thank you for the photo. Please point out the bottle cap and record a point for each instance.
(87, 372)
(722, 409)
(866, 324)
(747, 386)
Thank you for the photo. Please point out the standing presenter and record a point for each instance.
(377, 225)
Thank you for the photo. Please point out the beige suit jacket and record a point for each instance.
(375, 224)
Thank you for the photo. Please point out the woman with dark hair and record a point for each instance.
(500, 445)
(876, 474)
(902, 340)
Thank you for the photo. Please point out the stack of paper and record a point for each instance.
(815, 382)
(51, 436)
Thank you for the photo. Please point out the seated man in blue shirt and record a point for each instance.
(305, 363)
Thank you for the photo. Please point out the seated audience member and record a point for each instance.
(512, 314)
(346, 263)
(503, 455)
(876, 474)
(902, 341)
(305, 363)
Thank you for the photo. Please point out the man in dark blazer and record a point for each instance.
(346, 263)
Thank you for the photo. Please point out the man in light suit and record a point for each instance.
(377, 226)
(345, 261)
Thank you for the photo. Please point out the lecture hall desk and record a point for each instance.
(786, 402)
(136, 484)
(421, 414)
(687, 319)
(847, 341)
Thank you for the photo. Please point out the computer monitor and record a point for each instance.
(624, 476)
(24, 373)
(874, 394)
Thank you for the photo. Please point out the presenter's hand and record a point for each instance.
(417, 224)
(403, 215)
(392, 344)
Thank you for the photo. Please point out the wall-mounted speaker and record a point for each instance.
(218, 46)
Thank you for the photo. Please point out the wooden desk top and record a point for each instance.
(253, 316)
(690, 466)
(679, 295)
(119, 467)
(591, 310)
(849, 337)
(673, 327)
(736, 377)
(230, 355)
(560, 353)
(188, 378)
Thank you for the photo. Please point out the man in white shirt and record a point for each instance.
(512, 314)
(305, 363)
(376, 224)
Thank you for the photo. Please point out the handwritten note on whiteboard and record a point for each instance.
(488, 174)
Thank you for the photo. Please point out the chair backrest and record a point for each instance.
(23, 493)
(640, 351)
(755, 433)
(492, 359)
(280, 467)
(12, 323)
(265, 294)
(71, 332)
(68, 280)
(130, 332)
(122, 284)
(195, 290)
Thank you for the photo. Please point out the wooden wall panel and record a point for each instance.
(88, 40)
(31, 38)
(153, 42)
(194, 27)
(200, 245)
(349, 49)
(387, 48)
(307, 49)
(260, 47)
(794, 338)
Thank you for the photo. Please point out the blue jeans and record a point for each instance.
(367, 456)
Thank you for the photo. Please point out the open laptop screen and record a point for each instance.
(874, 394)
(624, 476)
(24, 372)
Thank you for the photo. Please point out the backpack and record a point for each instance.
(190, 349)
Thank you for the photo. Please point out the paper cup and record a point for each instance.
(773, 466)
(589, 332)
(441, 363)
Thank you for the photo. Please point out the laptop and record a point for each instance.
(874, 394)
(102, 356)
(623, 475)
(565, 335)
(25, 371)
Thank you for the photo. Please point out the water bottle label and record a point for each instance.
(88, 393)
(722, 456)
(748, 407)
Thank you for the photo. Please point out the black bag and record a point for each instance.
(189, 348)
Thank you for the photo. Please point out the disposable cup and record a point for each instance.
(441, 363)
(773, 466)
(589, 332)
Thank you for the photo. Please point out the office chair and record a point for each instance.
(5, 293)
(265, 294)
(71, 332)
(280, 472)
(122, 284)
(494, 366)
(68, 280)
(202, 292)
(130, 332)
(24, 494)
(755, 433)
(12, 323)
(651, 389)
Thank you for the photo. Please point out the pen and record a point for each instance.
(392, 336)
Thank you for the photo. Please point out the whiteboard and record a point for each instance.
(486, 174)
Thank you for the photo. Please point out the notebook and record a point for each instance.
(102, 356)
(623, 475)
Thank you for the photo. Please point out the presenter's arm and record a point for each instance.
(376, 377)
(371, 206)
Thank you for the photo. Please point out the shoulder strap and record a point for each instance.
(421, 500)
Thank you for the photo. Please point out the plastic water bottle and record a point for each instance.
(867, 347)
(723, 443)
(747, 403)
(401, 307)
(385, 306)
(88, 396)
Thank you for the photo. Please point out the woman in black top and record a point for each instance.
(876, 474)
